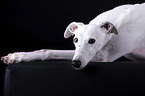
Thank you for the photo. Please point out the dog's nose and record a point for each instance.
(76, 63)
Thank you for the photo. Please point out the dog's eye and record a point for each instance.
(91, 41)
(75, 40)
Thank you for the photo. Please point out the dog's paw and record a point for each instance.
(13, 58)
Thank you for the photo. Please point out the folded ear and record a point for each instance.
(110, 28)
(70, 30)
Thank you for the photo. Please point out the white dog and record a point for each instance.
(112, 34)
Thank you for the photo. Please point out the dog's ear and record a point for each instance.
(70, 30)
(109, 27)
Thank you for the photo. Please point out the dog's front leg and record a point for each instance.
(44, 54)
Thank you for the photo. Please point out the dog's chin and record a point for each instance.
(80, 68)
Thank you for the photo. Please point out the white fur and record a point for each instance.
(129, 20)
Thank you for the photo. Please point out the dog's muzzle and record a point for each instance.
(76, 63)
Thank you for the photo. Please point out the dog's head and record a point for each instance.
(88, 40)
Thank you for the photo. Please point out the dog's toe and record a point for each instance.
(12, 58)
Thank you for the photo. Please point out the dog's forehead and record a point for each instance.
(93, 29)
(80, 31)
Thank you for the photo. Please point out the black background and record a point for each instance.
(28, 25)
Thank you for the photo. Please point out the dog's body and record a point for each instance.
(129, 21)
(112, 34)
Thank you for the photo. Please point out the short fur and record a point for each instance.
(123, 35)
